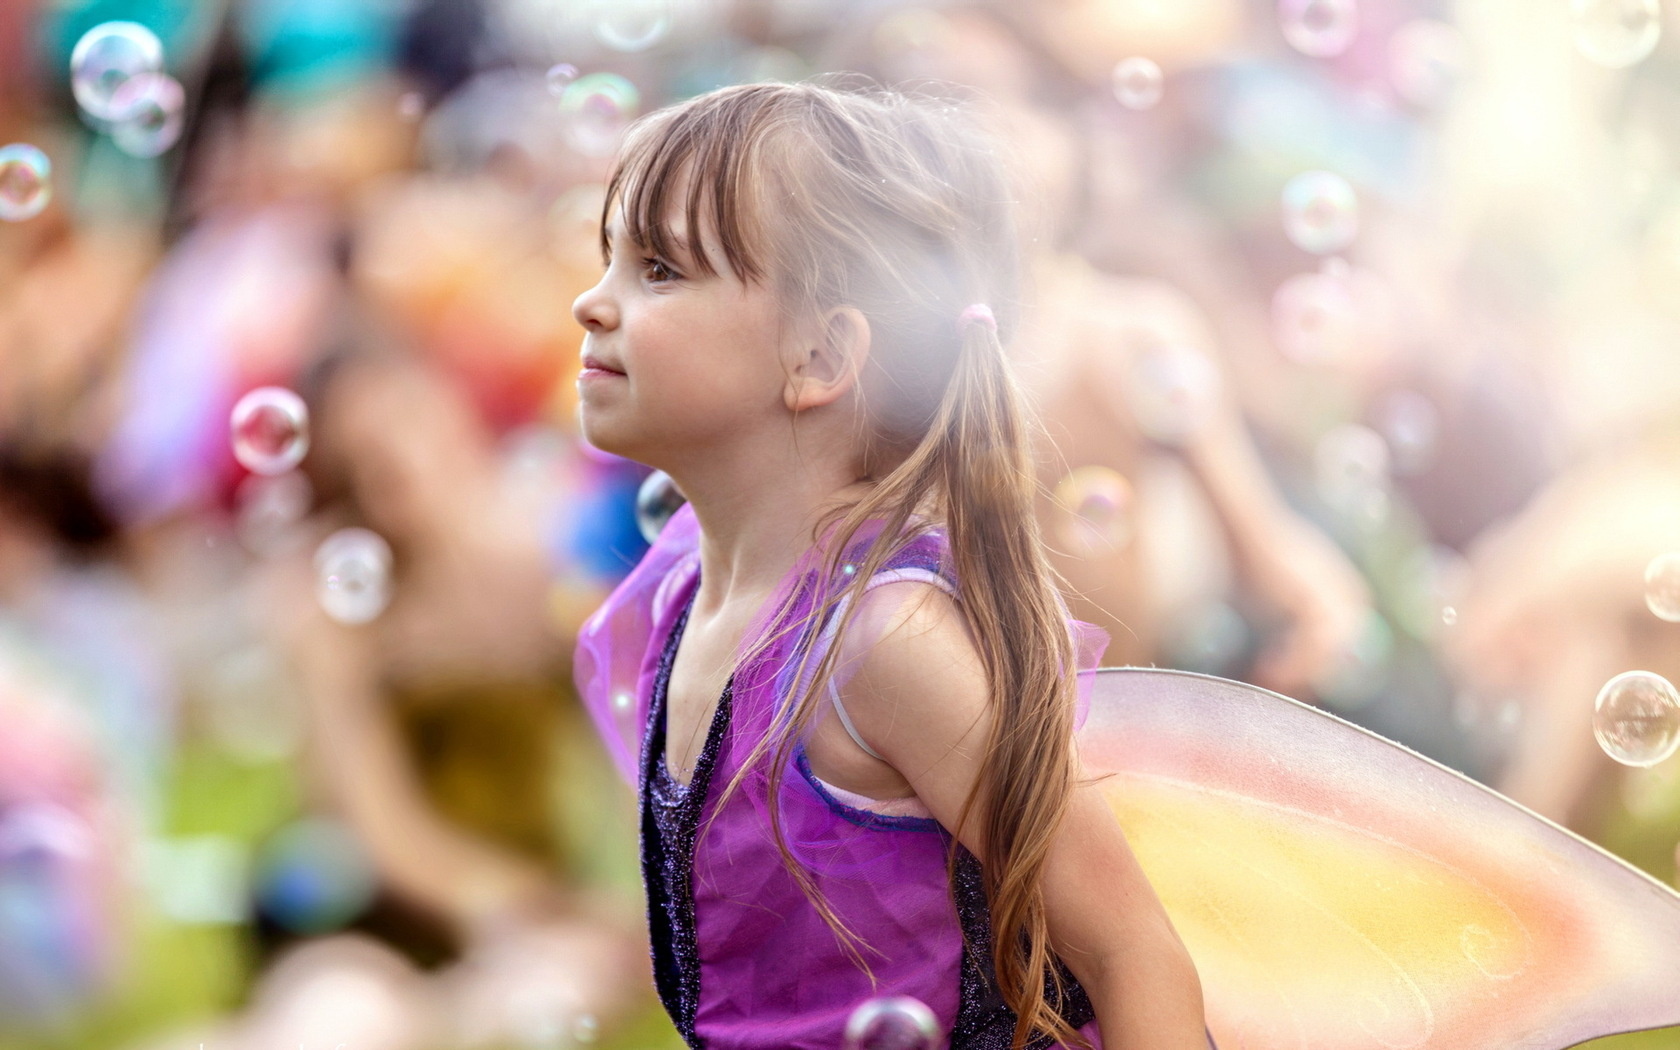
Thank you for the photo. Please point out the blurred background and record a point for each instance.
(1354, 326)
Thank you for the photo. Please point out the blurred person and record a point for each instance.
(441, 732)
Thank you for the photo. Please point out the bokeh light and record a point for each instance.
(25, 181)
(270, 430)
(1426, 60)
(1636, 718)
(631, 25)
(891, 1023)
(559, 77)
(313, 876)
(597, 108)
(1314, 318)
(1174, 391)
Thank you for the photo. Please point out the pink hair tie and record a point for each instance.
(978, 312)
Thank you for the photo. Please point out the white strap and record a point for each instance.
(885, 576)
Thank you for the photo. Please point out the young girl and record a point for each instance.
(842, 678)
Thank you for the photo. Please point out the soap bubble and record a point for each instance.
(1636, 718)
(105, 58)
(1137, 83)
(313, 876)
(1173, 391)
(353, 575)
(1314, 318)
(656, 501)
(1616, 33)
(150, 110)
(560, 77)
(1425, 60)
(1320, 28)
(631, 25)
(1662, 586)
(25, 182)
(597, 107)
(1411, 425)
(1320, 212)
(1095, 505)
(1352, 471)
(270, 430)
(892, 1023)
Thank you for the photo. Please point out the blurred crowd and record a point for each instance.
(1352, 329)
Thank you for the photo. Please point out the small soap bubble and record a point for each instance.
(892, 1023)
(1411, 426)
(149, 112)
(270, 430)
(1352, 470)
(1616, 33)
(1636, 718)
(411, 106)
(25, 181)
(656, 501)
(1662, 586)
(1449, 615)
(1315, 319)
(631, 25)
(560, 77)
(1137, 83)
(1319, 28)
(597, 107)
(1320, 212)
(1095, 505)
(1173, 392)
(107, 56)
(586, 1029)
(1426, 60)
(353, 575)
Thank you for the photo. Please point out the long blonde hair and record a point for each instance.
(900, 207)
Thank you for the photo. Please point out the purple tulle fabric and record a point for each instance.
(772, 973)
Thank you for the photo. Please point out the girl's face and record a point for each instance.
(676, 363)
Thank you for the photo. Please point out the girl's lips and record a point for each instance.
(598, 373)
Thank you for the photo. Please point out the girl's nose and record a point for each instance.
(595, 310)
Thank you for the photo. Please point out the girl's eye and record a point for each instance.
(657, 270)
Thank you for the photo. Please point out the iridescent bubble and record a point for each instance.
(1411, 425)
(1314, 318)
(1320, 212)
(1173, 392)
(270, 509)
(560, 77)
(1137, 83)
(597, 106)
(1636, 718)
(892, 1023)
(1426, 60)
(353, 575)
(1320, 28)
(1616, 33)
(105, 57)
(1662, 586)
(631, 25)
(25, 181)
(1352, 470)
(150, 109)
(270, 430)
(1095, 505)
(656, 501)
(313, 876)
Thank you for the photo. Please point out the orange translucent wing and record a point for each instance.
(1340, 892)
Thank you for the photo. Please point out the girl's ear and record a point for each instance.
(827, 360)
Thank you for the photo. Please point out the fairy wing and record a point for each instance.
(1340, 891)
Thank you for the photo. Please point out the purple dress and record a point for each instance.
(741, 959)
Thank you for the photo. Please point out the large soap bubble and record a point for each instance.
(1636, 718)
(892, 1023)
(105, 58)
